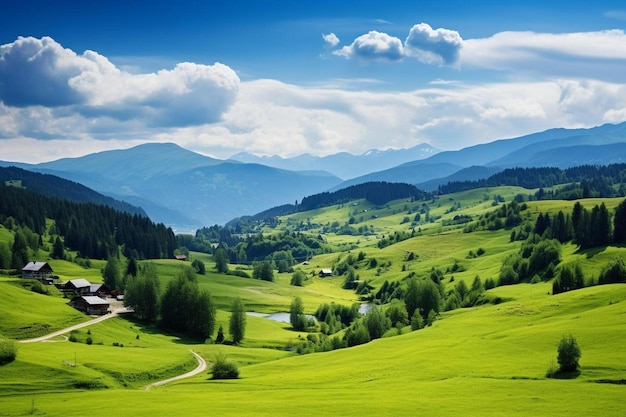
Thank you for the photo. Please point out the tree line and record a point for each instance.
(378, 193)
(591, 181)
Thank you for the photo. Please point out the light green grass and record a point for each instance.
(481, 361)
(25, 314)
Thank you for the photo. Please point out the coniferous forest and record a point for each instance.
(93, 230)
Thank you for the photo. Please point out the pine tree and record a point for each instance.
(20, 250)
(619, 223)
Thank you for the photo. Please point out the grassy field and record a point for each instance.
(486, 361)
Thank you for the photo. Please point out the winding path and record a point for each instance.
(113, 313)
(202, 365)
(200, 368)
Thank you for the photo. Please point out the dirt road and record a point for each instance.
(200, 368)
(202, 365)
(113, 313)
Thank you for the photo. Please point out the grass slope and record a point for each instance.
(481, 361)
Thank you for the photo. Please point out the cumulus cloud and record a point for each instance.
(331, 39)
(433, 46)
(428, 45)
(374, 46)
(36, 72)
(40, 72)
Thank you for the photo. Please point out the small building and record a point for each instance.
(90, 304)
(41, 271)
(99, 290)
(78, 286)
(181, 257)
(326, 273)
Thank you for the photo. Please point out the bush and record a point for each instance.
(224, 369)
(568, 354)
(8, 351)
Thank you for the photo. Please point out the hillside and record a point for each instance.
(54, 186)
(183, 189)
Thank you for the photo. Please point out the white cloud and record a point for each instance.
(40, 72)
(373, 46)
(433, 46)
(546, 52)
(331, 39)
(294, 120)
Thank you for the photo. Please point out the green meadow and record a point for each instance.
(488, 360)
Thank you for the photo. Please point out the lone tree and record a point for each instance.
(237, 327)
(296, 314)
(568, 354)
(221, 260)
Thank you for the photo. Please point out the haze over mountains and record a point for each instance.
(344, 165)
(186, 190)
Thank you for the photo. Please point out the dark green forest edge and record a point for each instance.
(101, 232)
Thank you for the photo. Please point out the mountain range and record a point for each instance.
(343, 165)
(186, 190)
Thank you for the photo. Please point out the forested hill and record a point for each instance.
(92, 229)
(376, 192)
(594, 181)
(54, 186)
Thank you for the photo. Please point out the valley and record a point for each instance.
(489, 358)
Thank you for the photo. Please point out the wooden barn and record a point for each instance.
(90, 304)
(41, 271)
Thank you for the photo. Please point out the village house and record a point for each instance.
(41, 271)
(181, 257)
(78, 287)
(81, 286)
(90, 304)
(326, 273)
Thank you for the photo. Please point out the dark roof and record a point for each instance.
(36, 266)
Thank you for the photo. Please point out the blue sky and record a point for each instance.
(292, 77)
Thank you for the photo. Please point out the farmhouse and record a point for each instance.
(181, 257)
(99, 290)
(326, 273)
(90, 304)
(78, 286)
(40, 271)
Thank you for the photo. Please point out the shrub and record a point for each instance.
(223, 368)
(417, 322)
(8, 351)
(568, 354)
